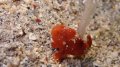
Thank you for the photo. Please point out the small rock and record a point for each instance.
(21, 32)
(18, 32)
(32, 36)
(27, 1)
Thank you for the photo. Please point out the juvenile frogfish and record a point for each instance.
(66, 43)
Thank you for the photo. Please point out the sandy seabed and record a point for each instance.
(25, 38)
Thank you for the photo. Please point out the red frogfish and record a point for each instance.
(67, 43)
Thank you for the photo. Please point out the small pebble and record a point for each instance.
(32, 36)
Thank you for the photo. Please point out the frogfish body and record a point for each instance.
(67, 43)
